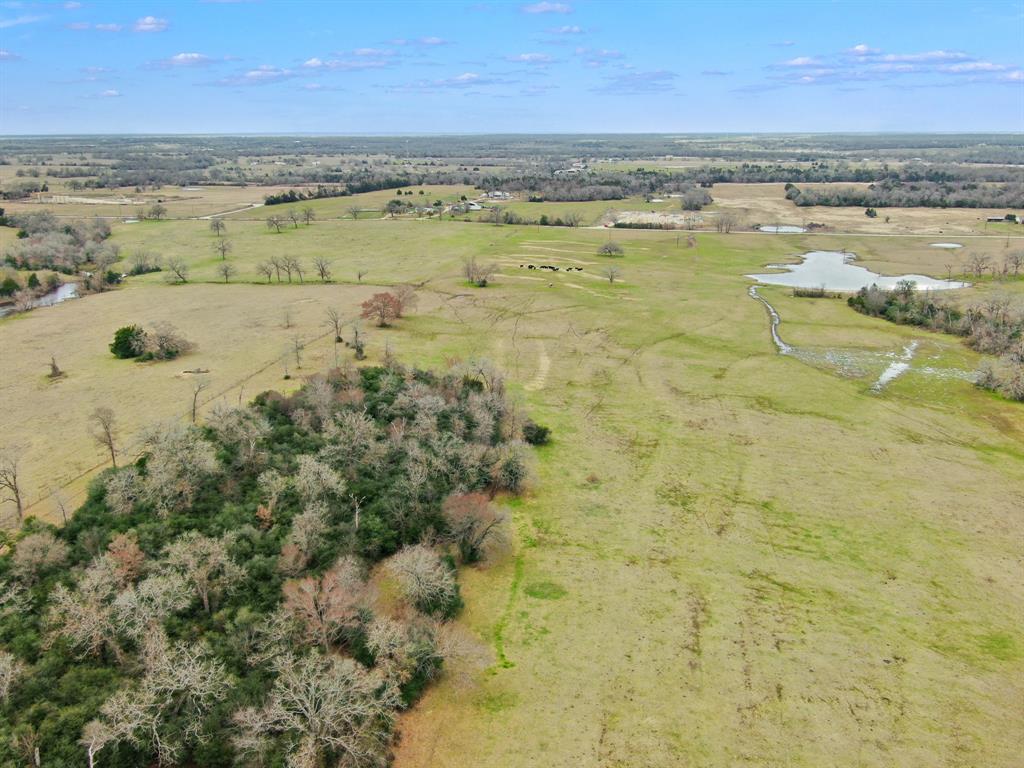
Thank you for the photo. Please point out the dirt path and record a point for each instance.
(540, 379)
(249, 207)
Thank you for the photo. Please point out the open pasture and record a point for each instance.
(695, 580)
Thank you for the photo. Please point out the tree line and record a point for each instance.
(993, 325)
(893, 193)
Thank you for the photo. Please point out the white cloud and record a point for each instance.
(546, 7)
(72, 6)
(110, 94)
(6, 55)
(975, 66)
(861, 49)
(179, 60)
(109, 27)
(927, 56)
(530, 58)
(17, 21)
(802, 61)
(344, 64)
(150, 24)
(568, 29)
(264, 74)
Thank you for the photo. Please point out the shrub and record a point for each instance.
(535, 434)
(9, 286)
(611, 248)
(129, 341)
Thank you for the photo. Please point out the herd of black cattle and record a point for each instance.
(551, 268)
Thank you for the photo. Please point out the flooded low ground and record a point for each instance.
(833, 271)
(884, 367)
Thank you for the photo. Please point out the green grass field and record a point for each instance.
(729, 557)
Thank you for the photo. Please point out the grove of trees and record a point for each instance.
(218, 602)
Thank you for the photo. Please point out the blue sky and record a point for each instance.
(451, 67)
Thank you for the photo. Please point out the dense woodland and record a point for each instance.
(895, 193)
(269, 588)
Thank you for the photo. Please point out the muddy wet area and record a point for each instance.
(883, 367)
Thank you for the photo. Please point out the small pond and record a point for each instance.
(833, 271)
(783, 229)
(946, 245)
(56, 296)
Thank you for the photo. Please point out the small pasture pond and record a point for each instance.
(833, 271)
(783, 229)
(56, 296)
(949, 246)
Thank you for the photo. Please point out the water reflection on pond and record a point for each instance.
(833, 271)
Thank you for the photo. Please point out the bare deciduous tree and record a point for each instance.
(218, 227)
(323, 268)
(293, 217)
(84, 616)
(360, 274)
(128, 558)
(11, 669)
(204, 562)
(611, 274)
(315, 480)
(329, 705)
(423, 579)
(104, 431)
(266, 269)
(123, 490)
(223, 247)
(10, 481)
(725, 222)
(353, 211)
(475, 525)
(405, 296)
(226, 270)
(275, 223)
(477, 273)
(165, 709)
(979, 263)
(335, 321)
(177, 270)
(299, 269)
(308, 215)
(277, 265)
(328, 605)
(199, 385)
(179, 460)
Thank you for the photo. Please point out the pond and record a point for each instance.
(56, 296)
(946, 245)
(783, 229)
(833, 271)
